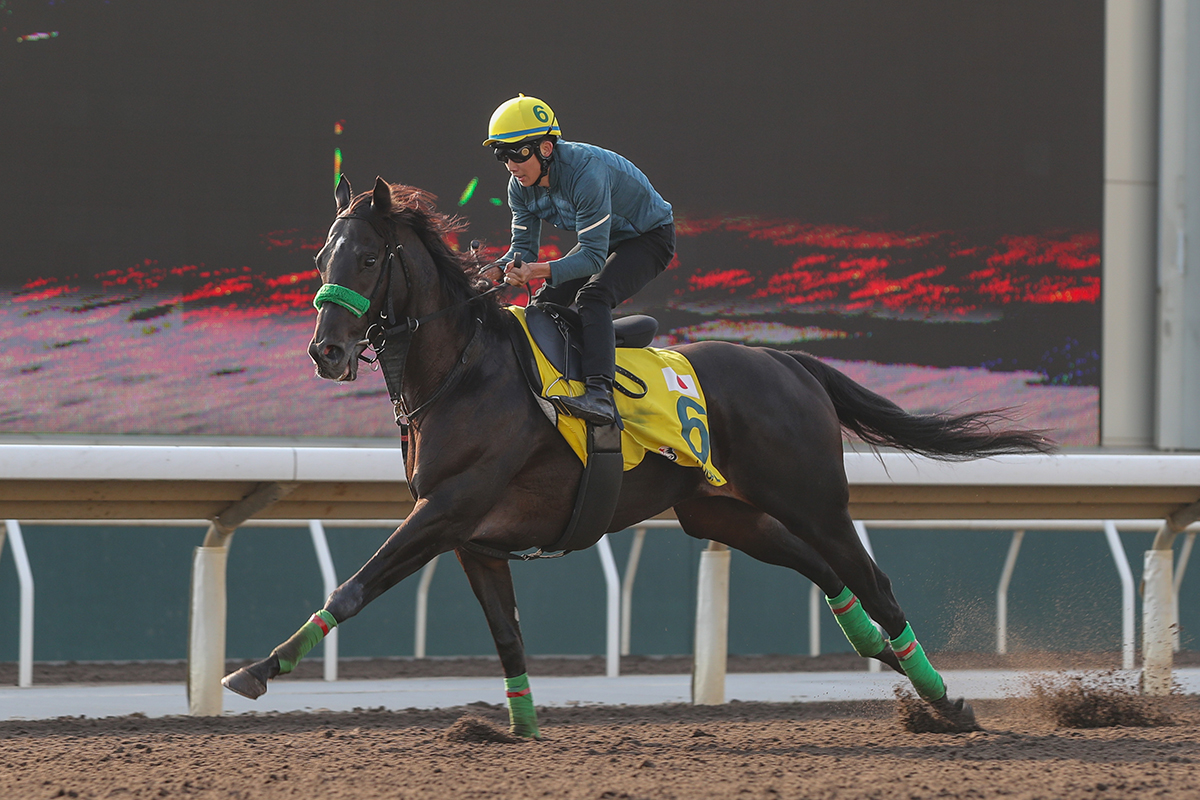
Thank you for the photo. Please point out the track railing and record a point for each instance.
(229, 485)
(329, 580)
(712, 599)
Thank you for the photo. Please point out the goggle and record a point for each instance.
(519, 153)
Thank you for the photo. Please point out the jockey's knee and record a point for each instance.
(596, 293)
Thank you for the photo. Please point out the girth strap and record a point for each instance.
(599, 486)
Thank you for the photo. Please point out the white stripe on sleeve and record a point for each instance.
(594, 224)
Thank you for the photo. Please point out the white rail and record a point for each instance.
(619, 592)
(330, 582)
(1127, 597)
(612, 583)
(1185, 553)
(814, 620)
(613, 589)
(631, 565)
(421, 628)
(1121, 561)
(25, 581)
(1010, 563)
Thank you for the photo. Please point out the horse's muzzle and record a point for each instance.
(333, 361)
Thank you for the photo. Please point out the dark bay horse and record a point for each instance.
(487, 467)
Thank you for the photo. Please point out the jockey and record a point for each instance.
(626, 233)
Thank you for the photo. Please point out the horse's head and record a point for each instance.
(354, 273)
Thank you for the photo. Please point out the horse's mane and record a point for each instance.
(415, 208)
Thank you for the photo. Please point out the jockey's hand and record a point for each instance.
(519, 276)
(493, 272)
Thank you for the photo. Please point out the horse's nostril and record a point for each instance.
(326, 353)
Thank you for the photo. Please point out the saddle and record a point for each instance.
(557, 332)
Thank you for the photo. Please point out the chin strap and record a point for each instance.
(544, 163)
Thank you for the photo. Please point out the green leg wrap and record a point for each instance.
(290, 652)
(522, 716)
(925, 679)
(862, 633)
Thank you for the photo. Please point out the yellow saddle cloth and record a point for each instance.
(671, 420)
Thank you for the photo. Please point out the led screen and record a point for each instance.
(910, 190)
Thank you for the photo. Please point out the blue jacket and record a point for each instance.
(593, 191)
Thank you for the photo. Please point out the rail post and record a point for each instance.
(1185, 553)
(1010, 563)
(206, 611)
(329, 582)
(25, 578)
(712, 626)
(1159, 620)
(612, 618)
(421, 624)
(631, 565)
(814, 620)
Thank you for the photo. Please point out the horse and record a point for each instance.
(491, 475)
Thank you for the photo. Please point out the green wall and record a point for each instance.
(108, 593)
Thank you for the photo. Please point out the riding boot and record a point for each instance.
(596, 405)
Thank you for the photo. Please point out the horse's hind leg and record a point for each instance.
(827, 526)
(763, 537)
(491, 580)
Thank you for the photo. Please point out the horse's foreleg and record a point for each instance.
(491, 580)
(763, 537)
(251, 681)
(405, 552)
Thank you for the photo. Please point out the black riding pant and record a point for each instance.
(630, 265)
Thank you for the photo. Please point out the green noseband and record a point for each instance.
(348, 299)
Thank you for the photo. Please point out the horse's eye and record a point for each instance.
(371, 261)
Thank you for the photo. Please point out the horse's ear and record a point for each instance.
(381, 198)
(342, 193)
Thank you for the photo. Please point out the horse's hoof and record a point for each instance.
(245, 683)
(958, 713)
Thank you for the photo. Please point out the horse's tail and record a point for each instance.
(949, 437)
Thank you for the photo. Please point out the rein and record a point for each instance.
(391, 343)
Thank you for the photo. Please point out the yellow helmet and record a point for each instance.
(519, 119)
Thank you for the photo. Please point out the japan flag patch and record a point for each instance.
(684, 384)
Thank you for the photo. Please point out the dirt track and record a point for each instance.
(741, 750)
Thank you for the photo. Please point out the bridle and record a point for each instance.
(391, 343)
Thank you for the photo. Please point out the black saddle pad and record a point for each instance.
(556, 329)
